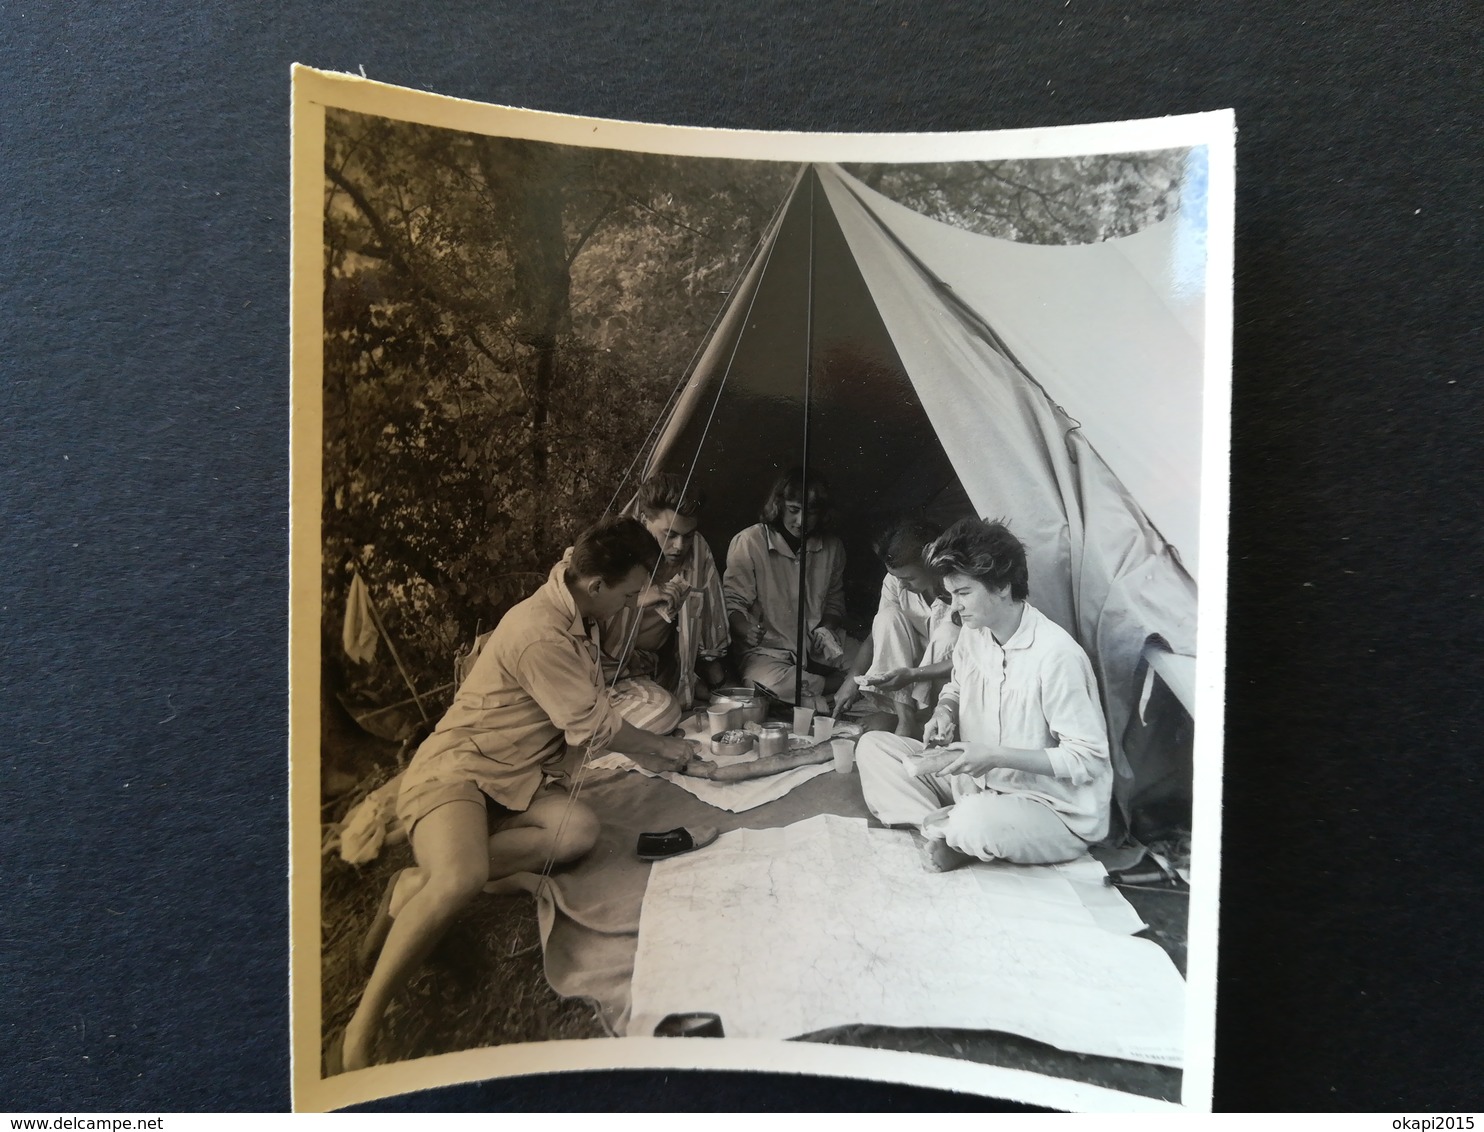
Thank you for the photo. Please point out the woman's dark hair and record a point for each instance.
(610, 548)
(789, 488)
(668, 492)
(903, 542)
(984, 550)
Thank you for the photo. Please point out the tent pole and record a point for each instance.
(801, 656)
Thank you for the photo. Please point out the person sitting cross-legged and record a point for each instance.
(761, 584)
(1015, 760)
(473, 799)
(905, 661)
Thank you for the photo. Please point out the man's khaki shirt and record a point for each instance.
(536, 689)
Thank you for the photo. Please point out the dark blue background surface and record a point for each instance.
(144, 181)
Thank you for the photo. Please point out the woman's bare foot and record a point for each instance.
(939, 857)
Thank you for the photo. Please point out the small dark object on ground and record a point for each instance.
(658, 846)
(693, 1025)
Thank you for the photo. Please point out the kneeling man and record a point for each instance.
(1015, 760)
(472, 799)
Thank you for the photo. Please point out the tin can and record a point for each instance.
(774, 740)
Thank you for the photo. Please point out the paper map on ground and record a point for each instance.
(783, 932)
(734, 797)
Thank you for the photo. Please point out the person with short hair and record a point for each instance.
(1014, 764)
(677, 633)
(762, 591)
(476, 800)
(903, 664)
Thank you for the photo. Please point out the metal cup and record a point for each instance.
(733, 712)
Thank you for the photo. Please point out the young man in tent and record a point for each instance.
(903, 664)
(762, 592)
(1025, 775)
(473, 800)
(677, 632)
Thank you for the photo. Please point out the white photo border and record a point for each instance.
(316, 91)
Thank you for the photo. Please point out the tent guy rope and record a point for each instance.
(580, 774)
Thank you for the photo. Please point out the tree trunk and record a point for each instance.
(526, 183)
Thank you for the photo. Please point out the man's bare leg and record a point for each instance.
(909, 726)
(526, 853)
(449, 845)
(878, 721)
(555, 828)
(902, 720)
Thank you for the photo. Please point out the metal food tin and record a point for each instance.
(774, 740)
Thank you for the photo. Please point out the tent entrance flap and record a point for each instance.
(1111, 331)
(913, 406)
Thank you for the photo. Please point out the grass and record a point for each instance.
(483, 985)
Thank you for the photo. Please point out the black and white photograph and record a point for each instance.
(757, 600)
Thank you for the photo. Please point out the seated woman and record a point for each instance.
(1025, 775)
(762, 589)
(902, 665)
(677, 633)
(476, 800)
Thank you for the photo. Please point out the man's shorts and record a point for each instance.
(422, 799)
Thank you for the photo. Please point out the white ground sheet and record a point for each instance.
(734, 797)
(827, 922)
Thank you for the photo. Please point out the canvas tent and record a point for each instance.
(920, 367)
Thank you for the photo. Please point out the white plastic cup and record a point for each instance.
(718, 719)
(823, 725)
(844, 751)
(802, 718)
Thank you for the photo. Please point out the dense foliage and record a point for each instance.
(504, 321)
(1056, 200)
